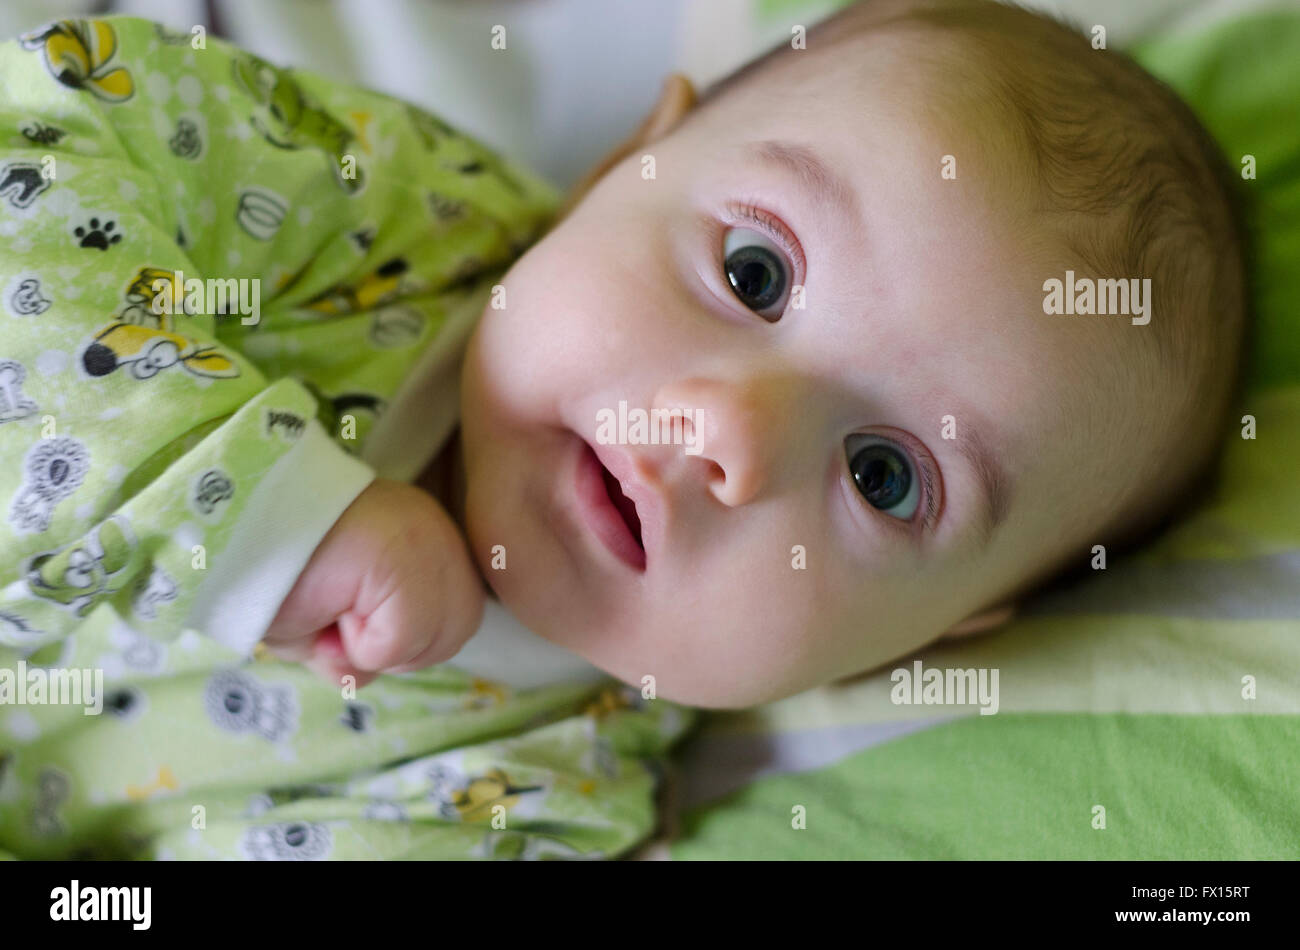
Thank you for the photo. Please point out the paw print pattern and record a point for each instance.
(288, 841)
(97, 236)
(238, 703)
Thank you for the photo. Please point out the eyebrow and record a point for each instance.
(994, 482)
(830, 189)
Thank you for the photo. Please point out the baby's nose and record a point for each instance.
(741, 428)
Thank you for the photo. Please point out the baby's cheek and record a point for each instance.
(499, 377)
(759, 636)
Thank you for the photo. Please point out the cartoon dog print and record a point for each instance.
(288, 118)
(78, 53)
(144, 343)
(372, 290)
(86, 572)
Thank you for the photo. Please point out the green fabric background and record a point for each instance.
(1024, 787)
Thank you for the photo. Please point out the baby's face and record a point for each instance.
(826, 525)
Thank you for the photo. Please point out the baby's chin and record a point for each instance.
(557, 617)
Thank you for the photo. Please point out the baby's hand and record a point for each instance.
(391, 588)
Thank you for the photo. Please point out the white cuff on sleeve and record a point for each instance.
(290, 510)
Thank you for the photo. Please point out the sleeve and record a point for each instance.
(210, 267)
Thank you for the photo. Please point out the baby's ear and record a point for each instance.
(675, 101)
(982, 622)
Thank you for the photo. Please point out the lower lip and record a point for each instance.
(599, 513)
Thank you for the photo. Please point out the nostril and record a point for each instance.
(735, 486)
(716, 473)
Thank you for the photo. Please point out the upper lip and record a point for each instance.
(638, 484)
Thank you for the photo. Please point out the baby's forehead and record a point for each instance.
(906, 52)
(897, 78)
(842, 65)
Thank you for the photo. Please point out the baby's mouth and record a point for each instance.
(606, 510)
(626, 506)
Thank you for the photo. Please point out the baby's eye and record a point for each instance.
(757, 271)
(884, 474)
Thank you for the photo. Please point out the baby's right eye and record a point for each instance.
(757, 271)
(763, 261)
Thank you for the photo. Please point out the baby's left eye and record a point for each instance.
(757, 271)
(884, 475)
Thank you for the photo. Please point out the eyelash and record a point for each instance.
(931, 497)
(775, 229)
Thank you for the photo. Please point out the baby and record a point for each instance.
(838, 266)
(841, 265)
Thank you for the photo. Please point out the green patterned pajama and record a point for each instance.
(220, 283)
